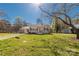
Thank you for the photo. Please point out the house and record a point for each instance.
(24, 29)
(76, 25)
(77, 28)
(36, 29)
(66, 31)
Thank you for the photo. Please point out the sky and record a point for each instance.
(30, 12)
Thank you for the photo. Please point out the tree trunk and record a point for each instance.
(77, 33)
(72, 31)
(77, 36)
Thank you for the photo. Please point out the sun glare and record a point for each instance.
(37, 4)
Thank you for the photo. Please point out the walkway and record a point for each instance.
(8, 36)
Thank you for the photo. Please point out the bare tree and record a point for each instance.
(4, 26)
(61, 12)
(4, 23)
(18, 23)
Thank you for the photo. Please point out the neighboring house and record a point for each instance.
(36, 29)
(66, 31)
(77, 28)
(24, 29)
(76, 25)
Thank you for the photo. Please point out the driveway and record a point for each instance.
(9, 36)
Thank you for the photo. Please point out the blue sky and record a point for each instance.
(29, 12)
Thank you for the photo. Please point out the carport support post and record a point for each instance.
(77, 33)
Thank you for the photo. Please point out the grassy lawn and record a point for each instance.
(40, 45)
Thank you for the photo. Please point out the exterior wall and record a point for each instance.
(66, 31)
(36, 29)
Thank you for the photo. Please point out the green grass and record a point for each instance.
(40, 45)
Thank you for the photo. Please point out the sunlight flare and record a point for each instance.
(37, 4)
